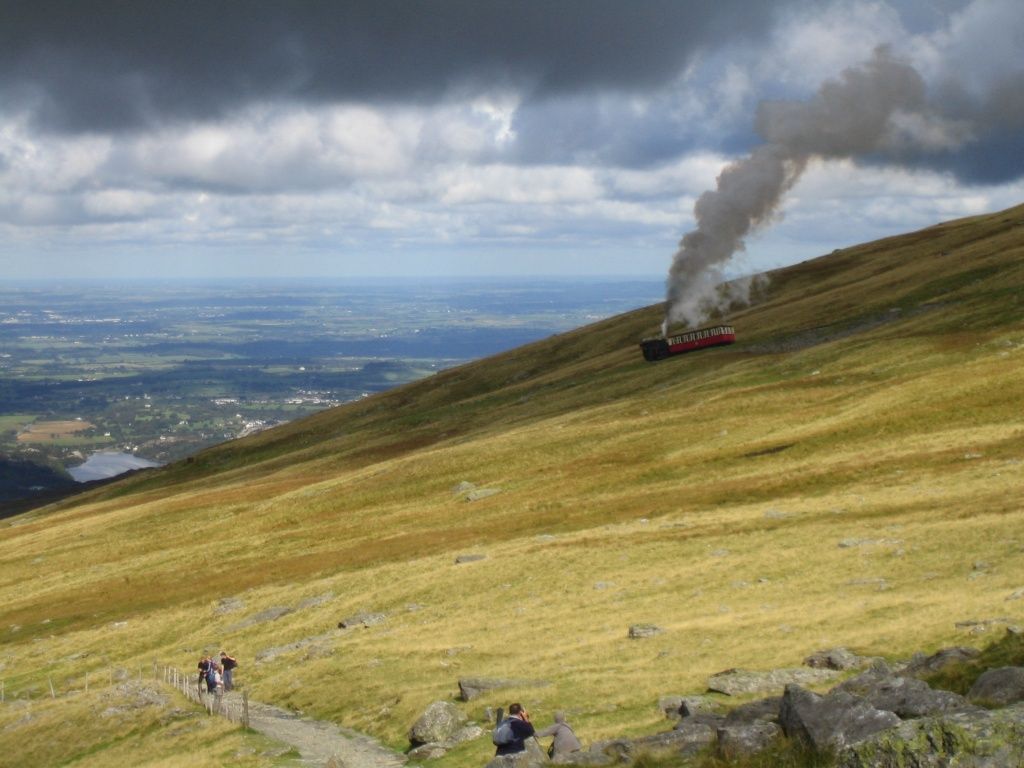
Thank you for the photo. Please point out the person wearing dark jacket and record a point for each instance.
(229, 663)
(522, 729)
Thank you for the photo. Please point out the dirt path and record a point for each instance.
(319, 742)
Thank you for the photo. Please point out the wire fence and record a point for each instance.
(231, 705)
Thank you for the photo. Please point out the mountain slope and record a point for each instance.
(848, 473)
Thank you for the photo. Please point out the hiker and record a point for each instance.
(204, 669)
(565, 740)
(511, 734)
(228, 663)
(213, 678)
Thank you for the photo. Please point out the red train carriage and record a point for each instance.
(714, 336)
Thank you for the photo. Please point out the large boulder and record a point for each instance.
(439, 724)
(737, 682)
(1000, 686)
(906, 697)
(688, 738)
(830, 722)
(975, 739)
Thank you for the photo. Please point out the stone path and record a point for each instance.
(321, 743)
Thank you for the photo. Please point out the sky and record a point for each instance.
(144, 138)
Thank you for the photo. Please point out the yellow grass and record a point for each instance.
(707, 494)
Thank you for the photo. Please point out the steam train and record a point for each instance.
(660, 347)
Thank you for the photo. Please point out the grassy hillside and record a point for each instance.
(848, 473)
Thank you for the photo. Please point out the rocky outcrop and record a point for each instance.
(906, 697)
(836, 658)
(363, 619)
(745, 739)
(830, 722)
(999, 687)
(736, 682)
(923, 666)
(975, 739)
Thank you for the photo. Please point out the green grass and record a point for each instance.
(629, 493)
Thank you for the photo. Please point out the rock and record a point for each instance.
(735, 682)
(742, 740)
(685, 739)
(638, 631)
(923, 666)
(228, 605)
(670, 706)
(690, 706)
(1017, 594)
(836, 658)
(481, 493)
(472, 687)
(270, 614)
(315, 602)
(532, 757)
(754, 711)
(427, 752)
(438, 724)
(976, 739)
(1000, 686)
(710, 719)
(318, 645)
(463, 487)
(830, 722)
(365, 619)
(469, 558)
(981, 626)
(906, 697)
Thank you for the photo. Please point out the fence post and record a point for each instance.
(53, 694)
(245, 708)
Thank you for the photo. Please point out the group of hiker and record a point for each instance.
(216, 676)
(512, 732)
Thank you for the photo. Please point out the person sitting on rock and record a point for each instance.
(511, 735)
(565, 740)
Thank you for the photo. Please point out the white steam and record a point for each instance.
(877, 107)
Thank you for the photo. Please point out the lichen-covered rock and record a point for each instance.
(427, 752)
(976, 739)
(364, 619)
(906, 697)
(746, 739)
(1001, 686)
(640, 631)
(438, 724)
(830, 722)
(736, 682)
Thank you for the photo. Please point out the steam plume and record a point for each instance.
(878, 106)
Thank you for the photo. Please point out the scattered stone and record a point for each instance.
(720, 553)
(835, 658)
(315, 602)
(438, 724)
(880, 584)
(774, 514)
(463, 487)
(481, 493)
(670, 705)
(228, 605)
(472, 687)
(981, 626)
(638, 631)
(1017, 594)
(746, 739)
(456, 650)
(270, 614)
(603, 584)
(736, 682)
(364, 619)
(1001, 686)
(691, 706)
(830, 722)
(318, 645)
(469, 558)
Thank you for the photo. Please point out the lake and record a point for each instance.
(100, 466)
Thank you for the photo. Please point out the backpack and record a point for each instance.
(503, 734)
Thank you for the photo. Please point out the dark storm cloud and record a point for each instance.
(112, 65)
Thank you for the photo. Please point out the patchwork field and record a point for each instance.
(849, 473)
(51, 431)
